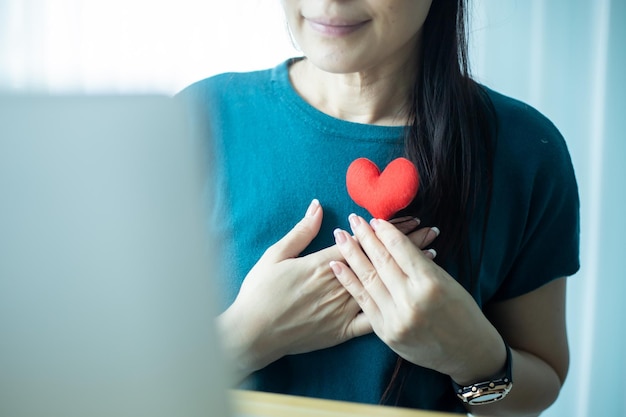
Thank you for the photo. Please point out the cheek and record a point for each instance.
(404, 28)
(411, 14)
(291, 15)
(296, 27)
(401, 20)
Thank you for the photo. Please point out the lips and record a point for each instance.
(335, 27)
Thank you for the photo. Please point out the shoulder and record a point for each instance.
(233, 98)
(226, 85)
(522, 125)
(233, 85)
(525, 138)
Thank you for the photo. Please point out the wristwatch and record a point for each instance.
(487, 391)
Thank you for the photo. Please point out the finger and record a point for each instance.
(379, 257)
(406, 224)
(401, 248)
(359, 326)
(424, 236)
(362, 268)
(326, 255)
(355, 287)
(299, 237)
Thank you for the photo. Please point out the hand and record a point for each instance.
(420, 237)
(289, 304)
(413, 305)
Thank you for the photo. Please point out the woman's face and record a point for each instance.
(344, 36)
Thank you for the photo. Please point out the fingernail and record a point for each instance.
(374, 223)
(315, 204)
(336, 267)
(418, 221)
(432, 252)
(435, 230)
(354, 221)
(340, 236)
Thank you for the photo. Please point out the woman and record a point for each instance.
(368, 315)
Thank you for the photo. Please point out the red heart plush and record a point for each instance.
(382, 194)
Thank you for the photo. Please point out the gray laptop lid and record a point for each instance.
(105, 288)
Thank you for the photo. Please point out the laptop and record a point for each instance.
(106, 298)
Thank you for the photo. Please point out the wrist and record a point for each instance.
(486, 361)
(488, 390)
(238, 342)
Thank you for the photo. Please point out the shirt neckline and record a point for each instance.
(329, 125)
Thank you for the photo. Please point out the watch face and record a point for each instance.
(487, 398)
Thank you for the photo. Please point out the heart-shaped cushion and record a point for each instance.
(382, 194)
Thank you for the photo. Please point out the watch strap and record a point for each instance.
(488, 391)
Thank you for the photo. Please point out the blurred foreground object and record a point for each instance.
(106, 307)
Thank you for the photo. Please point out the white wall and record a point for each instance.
(564, 57)
(134, 45)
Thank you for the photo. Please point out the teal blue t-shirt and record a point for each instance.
(272, 153)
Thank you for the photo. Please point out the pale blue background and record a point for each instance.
(550, 54)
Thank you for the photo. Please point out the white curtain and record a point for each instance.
(568, 59)
(565, 57)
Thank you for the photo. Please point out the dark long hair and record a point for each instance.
(449, 137)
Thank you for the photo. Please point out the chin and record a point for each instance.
(336, 64)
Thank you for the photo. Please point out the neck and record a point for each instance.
(378, 96)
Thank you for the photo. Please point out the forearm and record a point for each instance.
(536, 386)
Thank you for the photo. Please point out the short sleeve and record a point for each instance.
(544, 205)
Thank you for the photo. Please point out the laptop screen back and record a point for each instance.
(105, 280)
